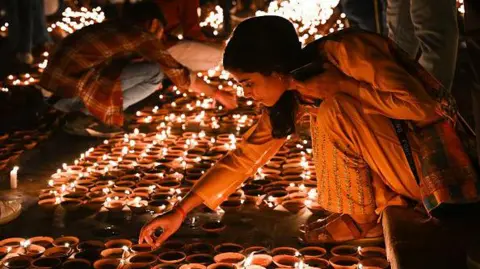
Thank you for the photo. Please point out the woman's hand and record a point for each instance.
(169, 222)
(325, 84)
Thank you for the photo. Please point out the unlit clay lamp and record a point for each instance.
(172, 257)
(193, 266)
(285, 261)
(344, 250)
(228, 247)
(213, 227)
(46, 262)
(284, 251)
(204, 259)
(221, 266)
(372, 252)
(18, 262)
(142, 259)
(318, 263)
(344, 262)
(106, 264)
(314, 252)
(229, 257)
(375, 263)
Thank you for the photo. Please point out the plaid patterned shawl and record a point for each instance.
(447, 173)
(88, 64)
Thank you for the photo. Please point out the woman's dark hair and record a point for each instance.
(142, 12)
(268, 44)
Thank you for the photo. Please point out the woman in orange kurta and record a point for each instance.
(360, 164)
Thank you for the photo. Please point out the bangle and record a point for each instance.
(182, 212)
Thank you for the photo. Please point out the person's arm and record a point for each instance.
(256, 148)
(385, 87)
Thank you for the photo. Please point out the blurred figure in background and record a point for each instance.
(428, 25)
(27, 28)
(472, 33)
(368, 15)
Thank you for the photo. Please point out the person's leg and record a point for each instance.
(362, 167)
(139, 80)
(40, 33)
(360, 13)
(436, 28)
(400, 26)
(197, 56)
(20, 29)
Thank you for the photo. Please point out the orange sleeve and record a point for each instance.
(384, 87)
(256, 148)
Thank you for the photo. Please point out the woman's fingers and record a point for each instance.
(162, 238)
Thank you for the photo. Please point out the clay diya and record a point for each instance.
(285, 261)
(372, 252)
(32, 251)
(141, 248)
(200, 259)
(193, 266)
(263, 260)
(159, 206)
(43, 241)
(71, 205)
(142, 259)
(293, 205)
(277, 196)
(200, 248)
(344, 262)
(46, 262)
(313, 252)
(66, 241)
(221, 266)
(91, 245)
(114, 205)
(314, 262)
(173, 245)
(13, 242)
(137, 205)
(284, 251)
(231, 205)
(48, 205)
(106, 264)
(18, 262)
(112, 253)
(344, 250)
(314, 207)
(213, 227)
(58, 252)
(228, 247)
(118, 243)
(76, 264)
(375, 263)
(90, 255)
(95, 204)
(172, 257)
(229, 257)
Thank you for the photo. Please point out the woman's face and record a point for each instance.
(264, 89)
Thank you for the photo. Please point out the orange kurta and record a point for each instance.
(361, 167)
